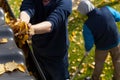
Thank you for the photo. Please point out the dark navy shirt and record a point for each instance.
(100, 29)
(56, 42)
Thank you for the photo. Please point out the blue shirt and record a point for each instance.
(90, 39)
(56, 42)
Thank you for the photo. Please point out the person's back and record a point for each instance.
(103, 27)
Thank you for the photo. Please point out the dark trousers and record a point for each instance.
(66, 64)
(53, 69)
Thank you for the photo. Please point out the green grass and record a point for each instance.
(15, 6)
(76, 49)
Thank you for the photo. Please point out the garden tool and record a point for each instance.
(77, 70)
(36, 62)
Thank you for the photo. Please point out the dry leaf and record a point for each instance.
(11, 66)
(19, 27)
(82, 70)
(21, 67)
(2, 69)
(3, 40)
(92, 66)
(20, 30)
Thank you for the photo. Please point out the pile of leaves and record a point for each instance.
(19, 28)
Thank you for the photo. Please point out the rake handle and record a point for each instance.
(78, 67)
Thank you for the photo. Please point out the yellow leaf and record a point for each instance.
(10, 66)
(3, 40)
(2, 69)
(22, 68)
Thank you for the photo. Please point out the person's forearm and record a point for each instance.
(43, 27)
(24, 17)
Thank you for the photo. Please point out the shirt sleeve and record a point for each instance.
(28, 6)
(88, 38)
(115, 13)
(60, 14)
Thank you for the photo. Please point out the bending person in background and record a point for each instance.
(49, 19)
(100, 29)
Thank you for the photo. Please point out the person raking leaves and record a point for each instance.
(100, 29)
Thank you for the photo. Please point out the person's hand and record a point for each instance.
(31, 31)
(86, 53)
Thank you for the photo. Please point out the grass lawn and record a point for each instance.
(76, 50)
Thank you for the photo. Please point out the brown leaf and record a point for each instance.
(21, 67)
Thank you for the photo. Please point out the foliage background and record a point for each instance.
(76, 49)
